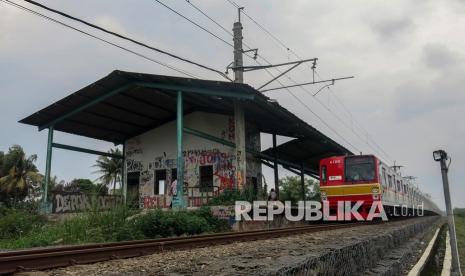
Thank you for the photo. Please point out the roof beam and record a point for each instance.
(132, 112)
(209, 137)
(207, 102)
(84, 150)
(211, 92)
(106, 129)
(114, 107)
(85, 106)
(125, 122)
(147, 102)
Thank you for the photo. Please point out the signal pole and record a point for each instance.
(239, 120)
(441, 156)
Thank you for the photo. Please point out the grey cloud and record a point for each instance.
(417, 99)
(41, 62)
(392, 28)
(440, 57)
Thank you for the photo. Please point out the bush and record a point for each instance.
(22, 229)
(216, 224)
(157, 223)
(153, 224)
(15, 223)
(91, 227)
(128, 232)
(187, 223)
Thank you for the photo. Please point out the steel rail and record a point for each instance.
(53, 257)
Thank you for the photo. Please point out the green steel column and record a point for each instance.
(48, 165)
(302, 181)
(180, 158)
(275, 166)
(124, 186)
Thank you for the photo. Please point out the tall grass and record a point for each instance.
(116, 225)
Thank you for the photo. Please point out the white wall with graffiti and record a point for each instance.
(153, 152)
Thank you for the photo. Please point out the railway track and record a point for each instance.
(47, 258)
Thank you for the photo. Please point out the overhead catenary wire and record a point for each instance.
(313, 112)
(268, 71)
(207, 16)
(338, 118)
(183, 72)
(200, 26)
(381, 151)
(262, 28)
(127, 38)
(193, 22)
(355, 121)
(282, 44)
(216, 22)
(76, 29)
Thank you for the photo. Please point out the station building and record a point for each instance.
(184, 129)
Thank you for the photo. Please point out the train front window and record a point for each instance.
(360, 168)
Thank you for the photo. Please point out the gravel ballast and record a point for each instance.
(344, 251)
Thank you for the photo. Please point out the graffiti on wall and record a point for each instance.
(134, 165)
(146, 176)
(157, 201)
(222, 159)
(163, 201)
(222, 212)
(162, 162)
(133, 147)
(222, 162)
(78, 202)
(208, 157)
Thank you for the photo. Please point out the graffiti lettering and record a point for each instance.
(78, 202)
(134, 166)
(222, 212)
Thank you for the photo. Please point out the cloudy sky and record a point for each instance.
(408, 59)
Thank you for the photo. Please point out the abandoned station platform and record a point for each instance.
(206, 134)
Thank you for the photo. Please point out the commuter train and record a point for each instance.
(366, 178)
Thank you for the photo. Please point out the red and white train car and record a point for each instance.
(366, 178)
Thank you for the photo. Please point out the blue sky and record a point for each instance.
(407, 57)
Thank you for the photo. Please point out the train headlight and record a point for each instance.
(375, 190)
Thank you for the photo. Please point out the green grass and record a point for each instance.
(460, 230)
(88, 227)
(112, 226)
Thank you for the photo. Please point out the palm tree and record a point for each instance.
(18, 174)
(110, 168)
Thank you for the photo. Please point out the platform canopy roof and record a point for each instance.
(125, 104)
(305, 151)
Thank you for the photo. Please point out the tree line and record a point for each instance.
(21, 180)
